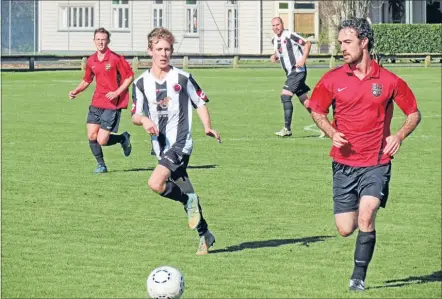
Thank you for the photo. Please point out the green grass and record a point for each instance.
(67, 233)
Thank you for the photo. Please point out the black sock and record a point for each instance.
(174, 192)
(96, 151)
(202, 227)
(288, 112)
(363, 253)
(114, 139)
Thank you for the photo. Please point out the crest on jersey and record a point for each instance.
(108, 66)
(177, 88)
(376, 89)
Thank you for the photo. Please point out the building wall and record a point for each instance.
(253, 25)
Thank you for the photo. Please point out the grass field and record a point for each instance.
(67, 233)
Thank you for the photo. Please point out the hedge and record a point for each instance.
(407, 38)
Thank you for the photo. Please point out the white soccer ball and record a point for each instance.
(165, 283)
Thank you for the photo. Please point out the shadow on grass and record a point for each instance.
(272, 243)
(395, 283)
(152, 168)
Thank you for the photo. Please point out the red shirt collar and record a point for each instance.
(106, 55)
(375, 70)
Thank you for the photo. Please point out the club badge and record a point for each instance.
(177, 88)
(376, 89)
(108, 66)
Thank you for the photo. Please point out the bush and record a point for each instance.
(407, 38)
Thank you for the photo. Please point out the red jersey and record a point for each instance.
(362, 111)
(110, 74)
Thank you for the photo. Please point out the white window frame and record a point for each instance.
(158, 17)
(231, 28)
(74, 17)
(191, 10)
(125, 11)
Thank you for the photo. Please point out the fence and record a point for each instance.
(20, 62)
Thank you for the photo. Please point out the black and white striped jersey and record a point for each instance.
(168, 103)
(289, 48)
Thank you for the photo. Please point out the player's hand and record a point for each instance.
(273, 58)
(393, 145)
(72, 95)
(213, 133)
(150, 127)
(300, 63)
(112, 95)
(338, 139)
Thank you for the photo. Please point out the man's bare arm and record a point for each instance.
(323, 123)
(409, 125)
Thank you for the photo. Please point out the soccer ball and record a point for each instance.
(165, 283)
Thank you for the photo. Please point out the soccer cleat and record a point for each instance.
(193, 211)
(126, 145)
(284, 133)
(101, 169)
(206, 241)
(356, 285)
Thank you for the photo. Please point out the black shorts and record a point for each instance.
(351, 183)
(108, 119)
(174, 161)
(295, 83)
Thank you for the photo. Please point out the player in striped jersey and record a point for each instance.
(292, 51)
(164, 97)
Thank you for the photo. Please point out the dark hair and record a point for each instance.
(102, 30)
(362, 27)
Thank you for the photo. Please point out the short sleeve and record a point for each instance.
(124, 68)
(404, 97)
(321, 98)
(196, 94)
(88, 73)
(298, 39)
(139, 102)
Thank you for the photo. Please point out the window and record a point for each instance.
(157, 10)
(283, 5)
(232, 2)
(305, 24)
(232, 27)
(191, 17)
(120, 14)
(304, 5)
(76, 17)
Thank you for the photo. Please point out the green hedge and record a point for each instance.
(407, 38)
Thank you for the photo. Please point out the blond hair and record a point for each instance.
(160, 33)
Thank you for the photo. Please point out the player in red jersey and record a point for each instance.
(113, 77)
(362, 95)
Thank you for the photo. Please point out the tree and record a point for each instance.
(333, 12)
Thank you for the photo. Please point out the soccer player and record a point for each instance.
(292, 51)
(362, 95)
(113, 77)
(164, 98)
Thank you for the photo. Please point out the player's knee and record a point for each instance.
(345, 232)
(102, 140)
(155, 186)
(286, 98)
(92, 136)
(366, 221)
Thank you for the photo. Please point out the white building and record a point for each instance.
(205, 27)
